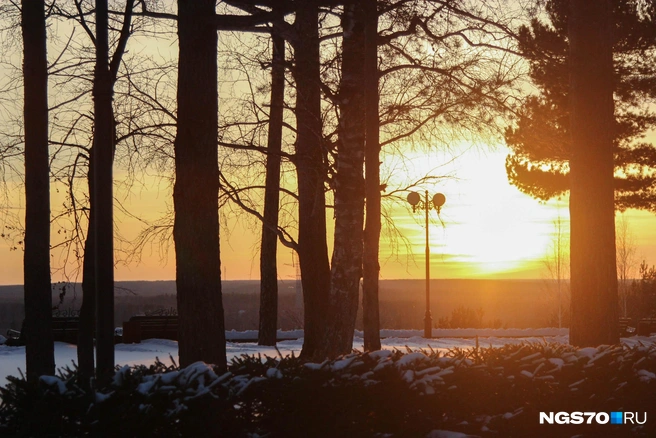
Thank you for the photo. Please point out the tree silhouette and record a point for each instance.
(39, 346)
(97, 309)
(196, 192)
(309, 160)
(346, 263)
(594, 305)
(268, 265)
(371, 237)
(540, 141)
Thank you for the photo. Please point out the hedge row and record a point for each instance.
(482, 392)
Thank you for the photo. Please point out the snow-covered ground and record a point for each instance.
(13, 358)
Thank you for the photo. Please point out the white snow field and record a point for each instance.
(13, 358)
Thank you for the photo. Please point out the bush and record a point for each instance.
(481, 391)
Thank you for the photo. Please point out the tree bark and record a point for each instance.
(85, 351)
(371, 268)
(268, 264)
(594, 305)
(311, 172)
(196, 191)
(39, 346)
(349, 190)
(103, 139)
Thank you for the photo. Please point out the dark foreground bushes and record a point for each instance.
(483, 392)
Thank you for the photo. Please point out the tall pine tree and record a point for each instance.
(540, 141)
(594, 305)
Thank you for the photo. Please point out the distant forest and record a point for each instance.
(504, 303)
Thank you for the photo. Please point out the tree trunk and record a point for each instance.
(312, 245)
(103, 145)
(39, 346)
(594, 312)
(86, 331)
(196, 191)
(268, 265)
(349, 190)
(371, 268)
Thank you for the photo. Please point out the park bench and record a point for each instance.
(64, 329)
(646, 326)
(14, 338)
(147, 327)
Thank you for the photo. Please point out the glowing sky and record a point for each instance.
(490, 230)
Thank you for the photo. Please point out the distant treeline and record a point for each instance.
(509, 303)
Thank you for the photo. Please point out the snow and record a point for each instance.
(646, 376)
(380, 354)
(410, 358)
(54, 382)
(13, 358)
(274, 373)
(233, 335)
(342, 364)
(558, 362)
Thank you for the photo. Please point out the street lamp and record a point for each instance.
(438, 200)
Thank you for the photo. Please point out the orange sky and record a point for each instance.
(491, 230)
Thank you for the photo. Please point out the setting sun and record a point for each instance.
(489, 229)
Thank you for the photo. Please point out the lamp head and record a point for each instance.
(414, 198)
(439, 200)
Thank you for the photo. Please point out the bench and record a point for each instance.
(64, 329)
(14, 338)
(147, 327)
(646, 326)
(625, 329)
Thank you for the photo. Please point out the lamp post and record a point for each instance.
(438, 200)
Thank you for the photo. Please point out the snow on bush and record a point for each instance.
(481, 391)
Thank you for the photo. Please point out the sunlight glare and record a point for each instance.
(490, 228)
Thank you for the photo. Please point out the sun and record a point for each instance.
(487, 228)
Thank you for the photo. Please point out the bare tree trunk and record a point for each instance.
(594, 314)
(312, 245)
(268, 253)
(101, 203)
(85, 352)
(196, 191)
(371, 268)
(39, 346)
(625, 261)
(103, 138)
(349, 190)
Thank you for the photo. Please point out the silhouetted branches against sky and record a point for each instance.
(143, 103)
(448, 73)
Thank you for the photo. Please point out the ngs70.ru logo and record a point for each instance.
(593, 418)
